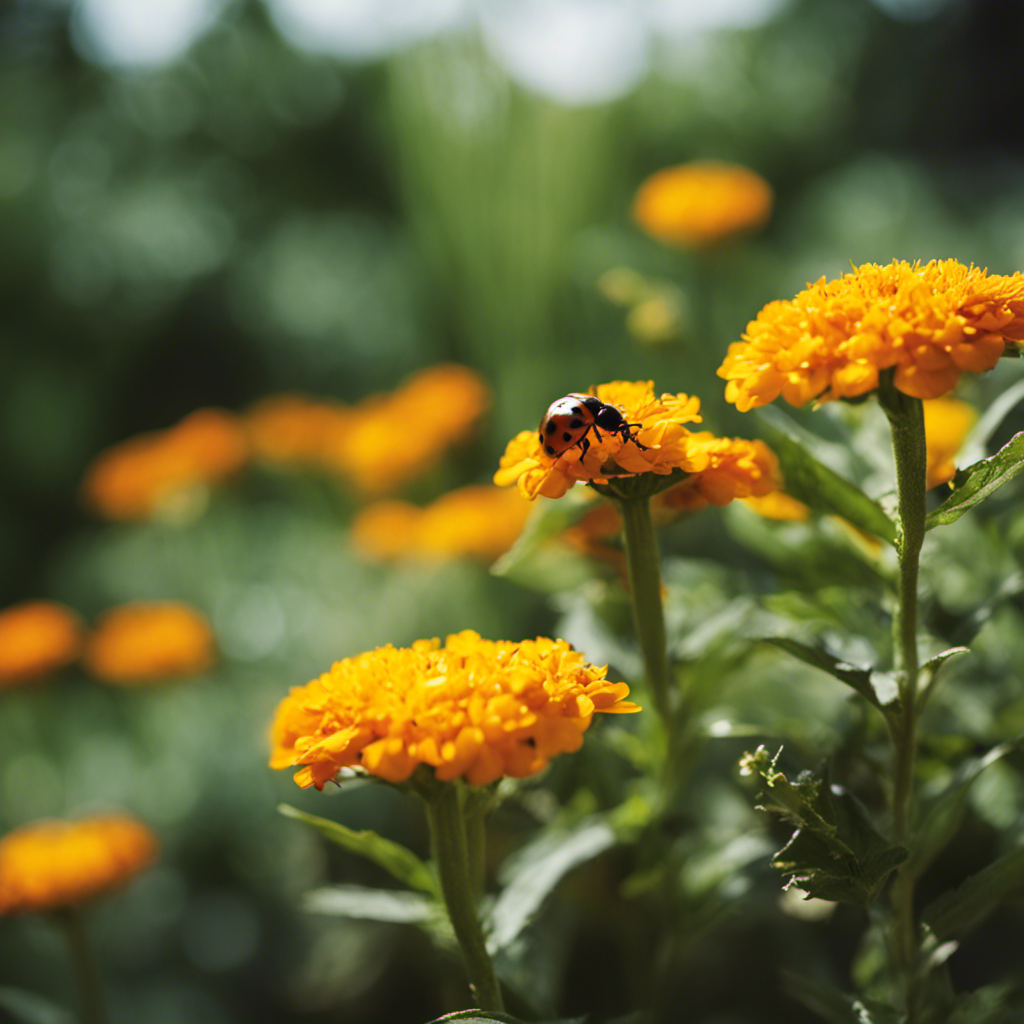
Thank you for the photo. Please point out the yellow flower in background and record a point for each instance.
(700, 203)
(470, 708)
(929, 322)
(668, 445)
(947, 422)
(396, 437)
(149, 642)
(297, 429)
(476, 521)
(49, 865)
(140, 476)
(779, 505)
(36, 637)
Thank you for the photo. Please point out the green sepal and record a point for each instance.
(835, 853)
(638, 486)
(975, 483)
(956, 913)
(401, 863)
(813, 483)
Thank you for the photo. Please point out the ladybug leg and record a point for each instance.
(627, 436)
(584, 445)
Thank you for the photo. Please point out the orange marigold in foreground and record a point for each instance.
(719, 469)
(476, 521)
(947, 422)
(472, 708)
(36, 637)
(928, 323)
(135, 479)
(49, 865)
(700, 203)
(147, 642)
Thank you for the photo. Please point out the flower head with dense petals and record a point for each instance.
(36, 637)
(736, 468)
(926, 322)
(478, 521)
(143, 475)
(700, 203)
(667, 445)
(147, 642)
(49, 865)
(470, 708)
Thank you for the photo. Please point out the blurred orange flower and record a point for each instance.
(49, 865)
(779, 505)
(929, 322)
(295, 428)
(472, 708)
(149, 642)
(476, 521)
(36, 637)
(142, 476)
(947, 422)
(703, 202)
(394, 438)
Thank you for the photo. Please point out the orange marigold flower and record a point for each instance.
(295, 428)
(148, 642)
(700, 203)
(49, 865)
(668, 445)
(36, 637)
(393, 438)
(928, 322)
(472, 708)
(947, 422)
(737, 468)
(478, 521)
(135, 479)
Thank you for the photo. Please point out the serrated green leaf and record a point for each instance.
(401, 863)
(975, 483)
(29, 1008)
(367, 904)
(956, 913)
(837, 1006)
(944, 813)
(535, 872)
(835, 853)
(821, 488)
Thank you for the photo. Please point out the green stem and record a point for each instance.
(87, 979)
(906, 420)
(643, 565)
(456, 845)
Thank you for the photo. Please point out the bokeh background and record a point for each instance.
(206, 202)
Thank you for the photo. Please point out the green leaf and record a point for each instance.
(28, 1008)
(977, 482)
(932, 668)
(821, 488)
(837, 1006)
(835, 853)
(371, 904)
(956, 913)
(476, 1017)
(973, 447)
(878, 687)
(548, 517)
(944, 813)
(403, 864)
(993, 1004)
(535, 872)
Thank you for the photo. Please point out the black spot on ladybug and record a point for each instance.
(576, 424)
(550, 428)
(549, 449)
(567, 437)
(576, 410)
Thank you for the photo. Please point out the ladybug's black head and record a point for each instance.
(609, 418)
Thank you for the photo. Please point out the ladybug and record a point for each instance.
(568, 421)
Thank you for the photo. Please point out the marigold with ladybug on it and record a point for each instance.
(568, 421)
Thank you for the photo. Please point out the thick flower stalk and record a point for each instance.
(447, 718)
(928, 323)
(470, 709)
